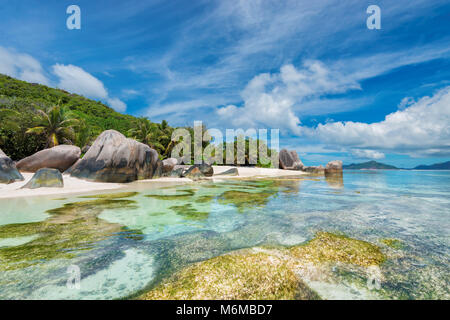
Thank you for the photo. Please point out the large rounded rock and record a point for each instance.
(45, 178)
(8, 170)
(115, 158)
(169, 164)
(333, 167)
(61, 157)
(289, 160)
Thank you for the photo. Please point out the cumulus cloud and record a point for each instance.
(367, 154)
(21, 66)
(422, 129)
(270, 99)
(117, 104)
(76, 80)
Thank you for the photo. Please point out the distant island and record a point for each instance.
(436, 166)
(369, 165)
(382, 166)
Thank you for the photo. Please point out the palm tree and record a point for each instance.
(56, 124)
(147, 133)
(156, 135)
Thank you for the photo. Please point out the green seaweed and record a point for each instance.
(70, 229)
(119, 195)
(393, 243)
(244, 200)
(331, 247)
(189, 212)
(185, 194)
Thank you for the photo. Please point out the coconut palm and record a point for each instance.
(56, 124)
(147, 132)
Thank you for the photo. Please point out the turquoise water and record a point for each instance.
(123, 246)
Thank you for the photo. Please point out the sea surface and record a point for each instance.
(120, 244)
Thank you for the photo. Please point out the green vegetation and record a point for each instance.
(56, 126)
(22, 106)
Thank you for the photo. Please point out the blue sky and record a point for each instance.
(313, 69)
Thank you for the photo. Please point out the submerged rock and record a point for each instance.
(239, 275)
(8, 170)
(115, 158)
(269, 273)
(60, 157)
(45, 178)
(289, 160)
(326, 247)
(229, 172)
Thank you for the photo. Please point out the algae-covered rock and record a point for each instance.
(45, 177)
(268, 273)
(326, 247)
(239, 275)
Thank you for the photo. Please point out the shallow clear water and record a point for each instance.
(124, 246)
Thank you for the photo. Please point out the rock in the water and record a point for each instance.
(194, 174)
(169, 164)
(289, 160)
(178, 173)
(45, 178)
(320, 170)
(206, 169)
(333, 167)
(8, 170)
(229, 172)
(61, 157)
(115, 158)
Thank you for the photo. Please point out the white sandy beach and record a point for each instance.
(73, 185)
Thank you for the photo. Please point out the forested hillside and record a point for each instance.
(19, 105)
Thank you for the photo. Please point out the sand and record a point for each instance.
(76, 186)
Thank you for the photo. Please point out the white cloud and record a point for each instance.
(75, 79)
(117, 104)
(270, 99)
(422, 129)
(21, 66)
(367, 154)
